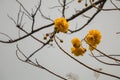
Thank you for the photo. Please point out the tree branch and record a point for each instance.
(36, 64)
(83, 63)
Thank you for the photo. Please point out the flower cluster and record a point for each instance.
(76, 42)
(93, 38)
(61, 25)
(77, 48)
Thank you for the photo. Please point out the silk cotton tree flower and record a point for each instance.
(77, 48)
(76, 42)
(78, 51)
(61, 25)
(93, 38)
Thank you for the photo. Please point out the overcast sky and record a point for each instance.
(51, 57)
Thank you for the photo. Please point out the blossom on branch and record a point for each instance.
(76, 42)
(61, 25)
(93, 38)
(78, 51)
(77, 48)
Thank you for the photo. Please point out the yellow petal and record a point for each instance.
(61, 24)
(76, 42)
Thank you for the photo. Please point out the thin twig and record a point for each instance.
(47, 18)
(18, 15)
(83, 63)
(33, 16)
(11, 19)
(36, 64)
(107, 55)
(60, 3)
(49, 25)
(81, 12)
(73, 31)
(117, 55)
(23, 7)
(114, 5)
(35, 52)
(42, 46)
(70, 2)
(103, 9)
(84, 10)
(63, 10)
(6, 36)
(104, 61)
(50, 71)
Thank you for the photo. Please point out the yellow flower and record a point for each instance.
(93, 38)
(78, 51)
(90, 39)
(77, 48)
(61, 24)
(96, 36)
(76, 42)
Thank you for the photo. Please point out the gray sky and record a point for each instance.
(51, 57)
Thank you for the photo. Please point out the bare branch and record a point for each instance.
(60, 3)
(63, 10)
(33, 16)
(90, 18)
(18, 15)
(104, 61)
(85, 23)
(62, 6)
(49, 25)
(23, 8)
(35, 52)
(84, 10)
(70, 2)
(83, 63)
(47, 18)
(50, 71)
(118, 60)
(36, 64)
(42, 45)
(54, 7)
(28, 34)
(11, 19)
(103, 9)
(107, 55)
(114, 5)
(10, 39)
(116, 55)
(86, 16)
